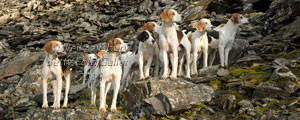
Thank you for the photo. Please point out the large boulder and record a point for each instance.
(162, 97)
(18, 64)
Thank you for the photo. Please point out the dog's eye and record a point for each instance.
(173, 14)
(205, 22)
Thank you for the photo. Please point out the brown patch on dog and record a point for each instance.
(67, 72)
(190, 38)
(149, 26)
(199, 25)
(100, 54)
(48, 47)
(85, 58)
(179, 36)
(235, 18)
(222, 25)
(167, 15)
(113, 45)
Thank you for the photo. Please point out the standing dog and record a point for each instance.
(227, 34)
(111, 72)
(146, 53)
(168, 41)
(52, 70)
(185, 46)
(200, 42)
(89, 60)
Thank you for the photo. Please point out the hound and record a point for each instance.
(200, 42)
(52, 70)
(227, 35)
(111, 72)
(184, 46)
(168, 41)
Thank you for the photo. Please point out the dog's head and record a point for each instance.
(146, 37)
(204, 25)
(151, 26)
(54, 47)
(238, 19)
(90, 59)
(170, 15)
(117, 45)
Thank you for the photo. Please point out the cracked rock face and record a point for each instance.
(162, 97)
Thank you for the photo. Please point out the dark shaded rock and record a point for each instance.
(162, 97)
(18, 64)
(270, 92)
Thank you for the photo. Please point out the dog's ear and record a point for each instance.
(145, 27)
(85, 58)
(235, 18)
(167, 15)
(100, 54)
(199, 26)
(48, 47)
(143, 36)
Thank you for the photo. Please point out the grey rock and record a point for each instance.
(223, 72)
(18, 64)
(162, 97)
(263, 91)
(288, 80)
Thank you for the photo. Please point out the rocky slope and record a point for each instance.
(262, 81)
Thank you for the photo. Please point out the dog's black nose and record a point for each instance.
(94, 59)
(212, 27)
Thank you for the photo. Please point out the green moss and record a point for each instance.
(189, 112)
(239, 72)
(261, 110)
(201, 105)
(215, 84)
(120, 108)
(92, 107)
(168, 117)
(298, 61)
(256, 79)
(252, 15)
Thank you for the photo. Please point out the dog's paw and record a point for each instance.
(113, 109)
(188, 77)
(45, 106)
(102, 109)
(55, 106)
(106, 106)
(173, 77)
(64, 106)
(142, 78)
(92, 105)
(164, 77)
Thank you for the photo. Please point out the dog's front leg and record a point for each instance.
(205, 56)
(56, 105)
(175, 63)
(141, 66)
(93, 94)
(45, 100)
(106, 91)
(227, 50)
(195, 56)
(187, 65)
(181, 60)
(102, 95)
(54, 85)
(115, 96)
(86, 69)
(221, 52)
(147, 67)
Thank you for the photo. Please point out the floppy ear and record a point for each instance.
(142, 37)
(48, 47)
(145, 27)
(100, 54)
(85, 58)
(109, 45)
(235, 18)
(199, 26)
(165, 17)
